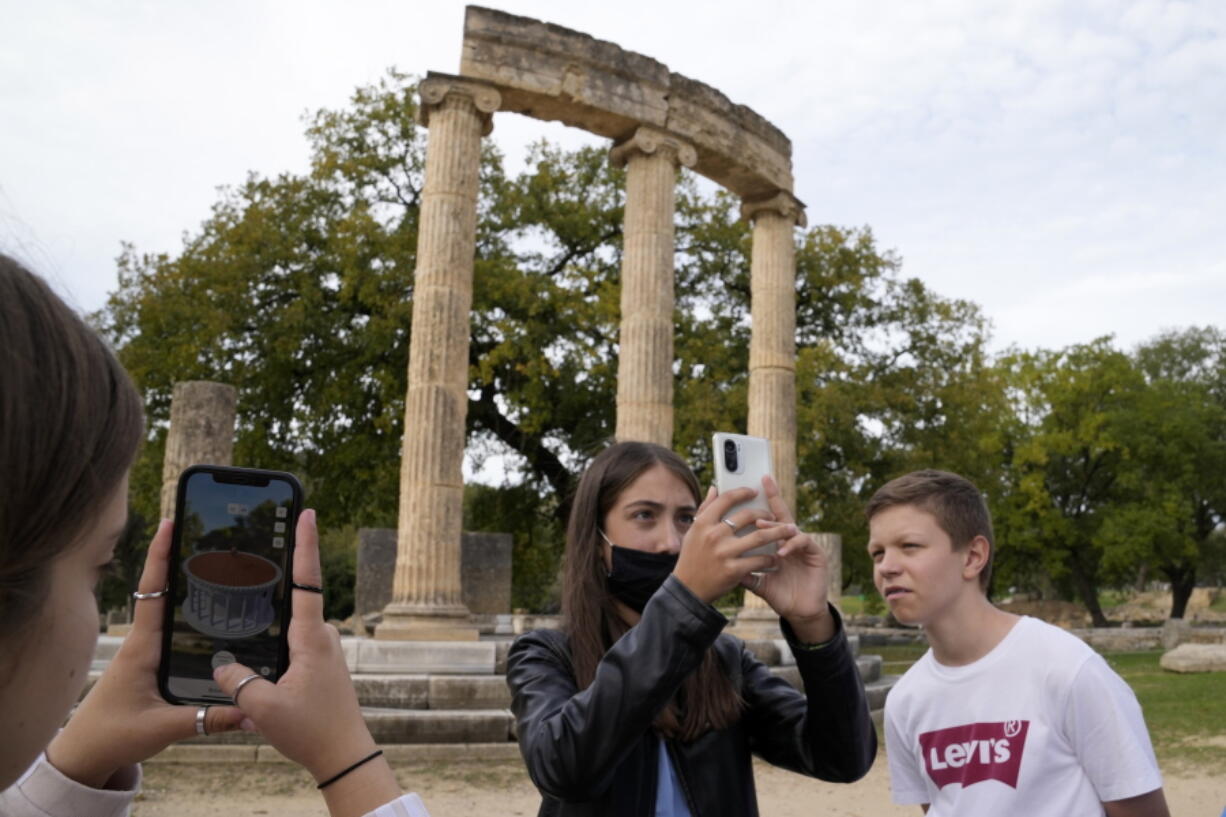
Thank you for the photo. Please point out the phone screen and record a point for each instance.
(229, 582)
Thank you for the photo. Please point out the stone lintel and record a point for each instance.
(436, 87)
(781, 202)
(648, 140)
(555, 74)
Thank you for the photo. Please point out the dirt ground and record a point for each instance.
(502, 788)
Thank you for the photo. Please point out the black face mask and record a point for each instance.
(637, 575)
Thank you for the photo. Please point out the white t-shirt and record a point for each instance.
(1040, 725)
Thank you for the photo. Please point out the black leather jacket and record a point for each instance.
(593, 752)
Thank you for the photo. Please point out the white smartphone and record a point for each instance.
(740, 462)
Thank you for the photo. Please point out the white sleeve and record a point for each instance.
(43, 791)
(407, 805)
(1104, 725)
(906, 781)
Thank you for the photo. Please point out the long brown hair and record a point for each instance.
(707, 699)
(70, 425)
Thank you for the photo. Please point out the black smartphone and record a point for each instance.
(230, 570)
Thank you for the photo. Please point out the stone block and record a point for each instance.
(764, 649)
(870, 667)
(485, 572)
(1175, 632)
(388, 691)
(877, 691)
(552, 73)
(501, 648)
(1195, 658)
(468, 692)
(424, 657)
(376, 568)
(430, 726)
(527, 622)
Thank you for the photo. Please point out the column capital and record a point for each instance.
(437, 87)
(649, 140)
(782, 202)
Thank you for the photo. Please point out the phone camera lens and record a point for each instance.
(730, 455)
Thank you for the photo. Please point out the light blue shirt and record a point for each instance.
(670, 799)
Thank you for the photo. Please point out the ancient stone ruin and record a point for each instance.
(656, 121)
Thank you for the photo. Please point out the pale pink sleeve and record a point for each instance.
(44, 792)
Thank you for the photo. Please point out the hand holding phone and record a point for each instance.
(228, 587)
(311, 714)
(123, 720)
(741, 461)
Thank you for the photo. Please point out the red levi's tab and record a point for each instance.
(975, 752)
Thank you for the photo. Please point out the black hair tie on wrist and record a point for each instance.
(310, 588)
(337, 777)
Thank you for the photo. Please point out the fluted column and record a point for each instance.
(426, 600)
(645, 360)
(772, 352)
(201, 433)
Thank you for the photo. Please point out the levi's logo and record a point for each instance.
(975, 752)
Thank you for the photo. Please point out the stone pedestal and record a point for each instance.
(772, 352)
(376, 569)
(426, 599)
(1174, 632)
(645, 360)
(485, 568)
(201, 433)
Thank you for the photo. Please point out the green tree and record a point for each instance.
(1174, 493)
(1066, 451)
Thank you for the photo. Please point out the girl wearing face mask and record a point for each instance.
(70, 425)
(639, 706)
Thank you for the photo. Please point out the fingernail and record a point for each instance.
(247, 725)
(217, 672)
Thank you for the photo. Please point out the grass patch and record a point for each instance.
(1186, 714)
(851, 605)
(1219, 604)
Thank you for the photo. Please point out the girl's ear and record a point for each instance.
(975, 557)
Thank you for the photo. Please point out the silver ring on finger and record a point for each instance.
(200, 713)
(730, 524)
(239, 687)
(156, 594)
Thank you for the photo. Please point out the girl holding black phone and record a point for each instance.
(70, 425)
(639, 706)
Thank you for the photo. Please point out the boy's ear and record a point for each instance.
(975, 557)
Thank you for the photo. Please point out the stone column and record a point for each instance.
(426, 600)
(645, 360)
(201, 433)
(772, 354)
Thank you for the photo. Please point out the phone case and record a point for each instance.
(753, 461)
(258, 609)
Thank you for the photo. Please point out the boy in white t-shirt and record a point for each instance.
(1004, 715)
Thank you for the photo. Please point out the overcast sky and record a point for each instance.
(1063, 164)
